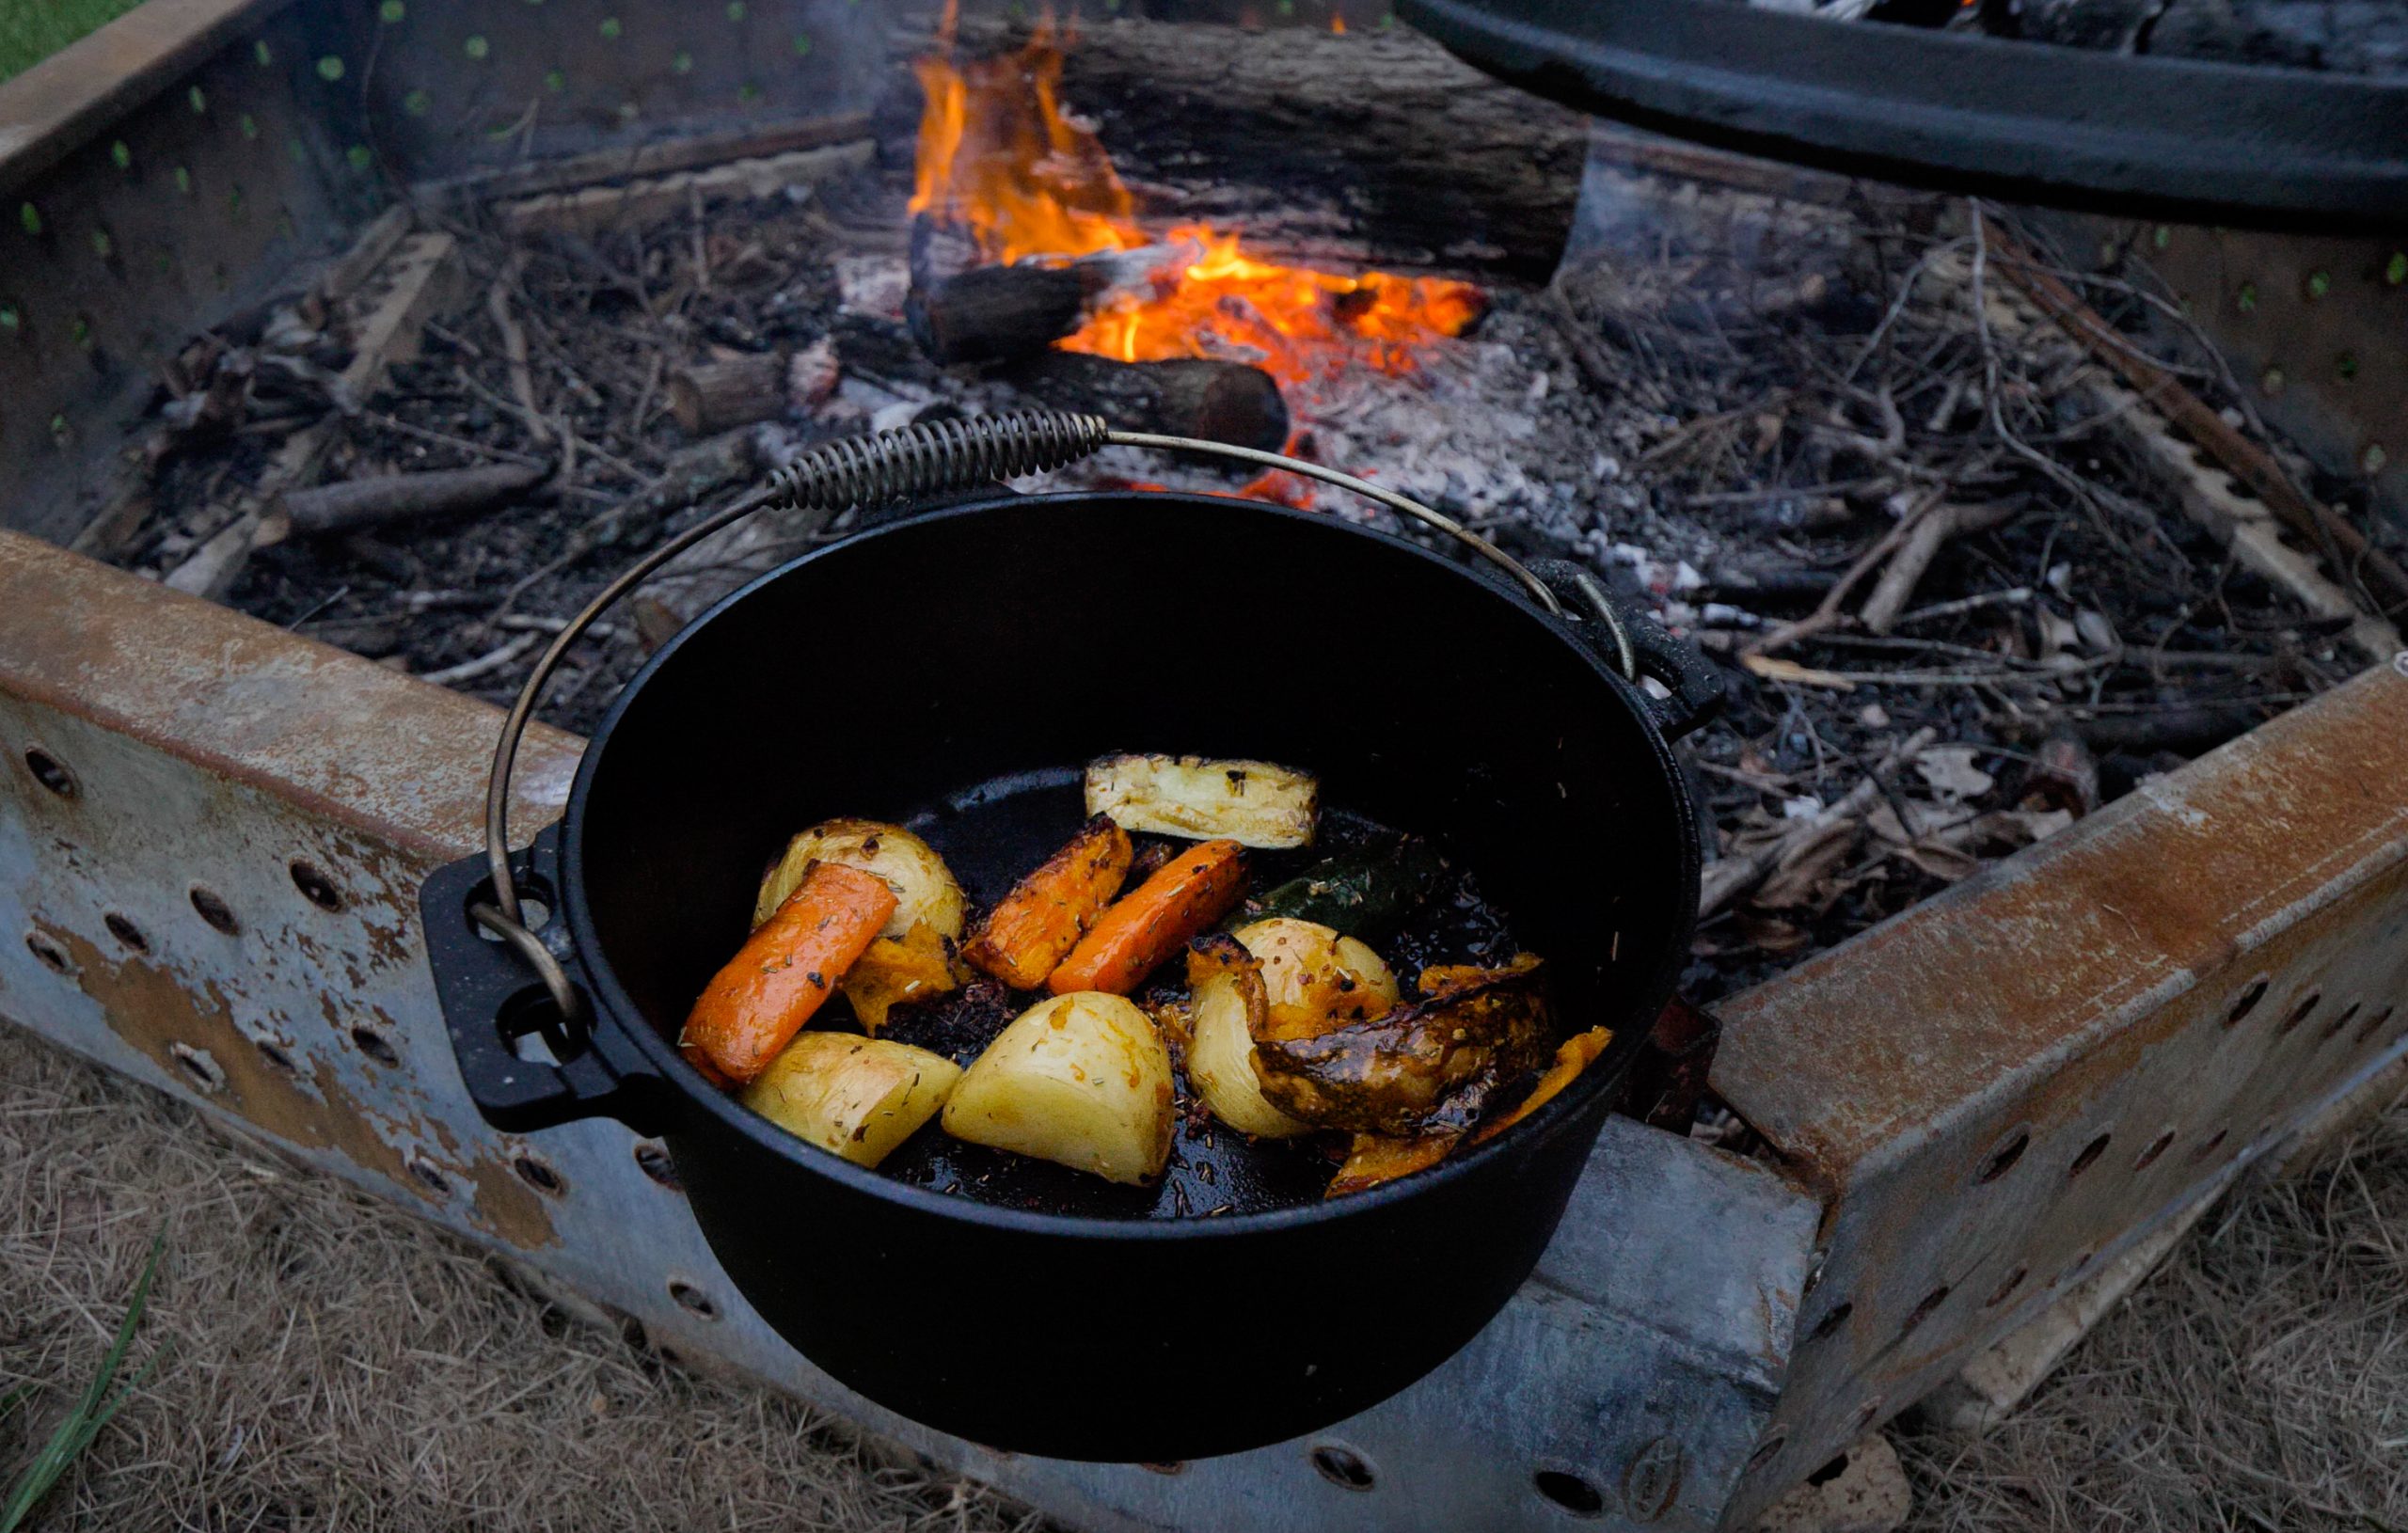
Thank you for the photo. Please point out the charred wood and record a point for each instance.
(360, 503)
(711, 397)
(1221, 402)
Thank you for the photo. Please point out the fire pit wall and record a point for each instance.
(206, 155)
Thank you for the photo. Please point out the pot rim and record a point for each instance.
(620, 1013)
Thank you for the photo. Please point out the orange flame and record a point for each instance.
(999, 158)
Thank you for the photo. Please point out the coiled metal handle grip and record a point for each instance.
(917, 462)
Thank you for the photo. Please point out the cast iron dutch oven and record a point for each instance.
(951, 671)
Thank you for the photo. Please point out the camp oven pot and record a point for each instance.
(953, 670)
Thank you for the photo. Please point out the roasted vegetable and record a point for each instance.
(914, 966)
(1421, 1070)
(788, 966)
(1313, 979)
(1374, 1158)
(1573, 1055)
(1367, 895)
(858, 1096)
(1253, 803)
(1044, 916)
(922, 885)
(1083, 1080)
(1228, 1008)
(1134, 938)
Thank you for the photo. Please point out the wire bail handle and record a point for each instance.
(886, 468)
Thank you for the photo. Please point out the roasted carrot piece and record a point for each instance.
(1046, 913)
(1130, 940)
(756, 1005)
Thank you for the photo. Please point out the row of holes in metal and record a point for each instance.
(2010, 1153)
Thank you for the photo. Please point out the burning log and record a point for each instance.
(711, 397)
(361, 504)
(1353, 125)
(1221, 402)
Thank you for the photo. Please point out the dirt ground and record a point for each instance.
(334, 1365)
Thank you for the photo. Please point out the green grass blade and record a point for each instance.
(90, 1414)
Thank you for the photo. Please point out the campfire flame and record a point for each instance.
(1000, 159)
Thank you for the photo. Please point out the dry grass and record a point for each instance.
(337, 1366)
(2258, 1382)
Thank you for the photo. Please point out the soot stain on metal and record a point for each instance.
(152, 1008)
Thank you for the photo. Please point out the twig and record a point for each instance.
(1727, 880)
(514, 345)
(2016, 596)
(1921, 546)
(485, 664)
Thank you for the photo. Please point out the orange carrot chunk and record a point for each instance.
(1134, 938)
(1044, 916)
(1573, 1055)
(756, 1005)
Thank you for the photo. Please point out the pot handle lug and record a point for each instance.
(504, 990)
(1635, 644)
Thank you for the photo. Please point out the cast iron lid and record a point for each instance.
(2181, 138)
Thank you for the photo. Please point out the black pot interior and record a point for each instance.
(952, 673)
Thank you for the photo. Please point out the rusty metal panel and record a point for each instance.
(468, 84)
(196, 201)
(1999, 1088)
(2316, 328)
(212, 835)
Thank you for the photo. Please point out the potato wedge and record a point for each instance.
(1220, 1055)
(857, 1097)
(1083, 1080)
(1254, 803)
(923, 887)
(1313, 979)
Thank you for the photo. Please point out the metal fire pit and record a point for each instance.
(212, 833)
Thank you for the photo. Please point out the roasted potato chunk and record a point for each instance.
(1313, 979)
(1083, 1080)
(1254, 803)
(857, 1097)
(923, 887)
